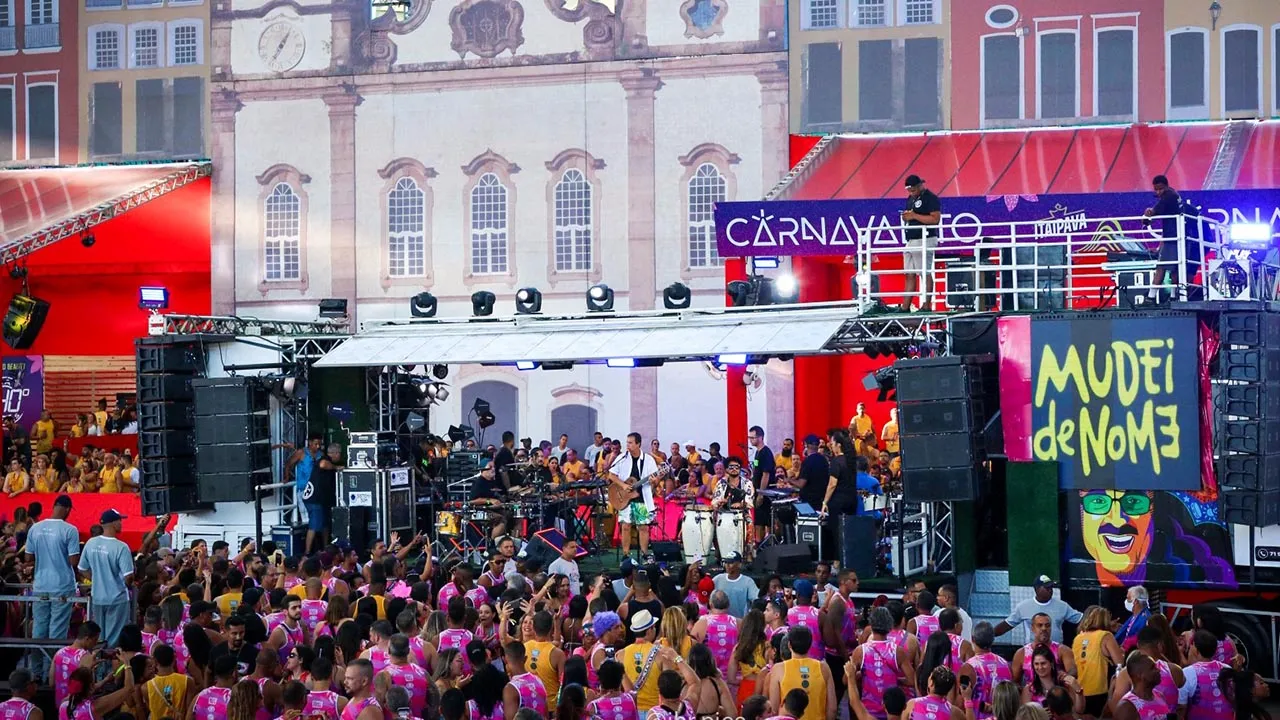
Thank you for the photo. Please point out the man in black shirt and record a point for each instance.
(1168, 208)
(922, 215)
(245, 655)
(505, 457)
(814, 473)
(762, 468)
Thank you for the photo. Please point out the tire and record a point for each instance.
(1251, 639)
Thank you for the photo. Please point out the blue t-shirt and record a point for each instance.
(110, 563)
(302, 471)
(53, 542)
(866, 484)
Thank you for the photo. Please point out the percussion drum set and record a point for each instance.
(704, 527)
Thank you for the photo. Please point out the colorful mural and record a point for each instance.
(1121, 538)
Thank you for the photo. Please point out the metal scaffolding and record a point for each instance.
(227, 325)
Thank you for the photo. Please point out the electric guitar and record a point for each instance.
(622, 493)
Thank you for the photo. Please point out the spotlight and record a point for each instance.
(333, 308)
(872, 350)
(440, 372)
(480, 406)
(528, 301)
(739, 292)
(764, 263)
(732, 359)
(526, 365)
(485, 420)
(423, 305)
(437, 391)
(153, 298)
(1250, 236)
(482, 303)
(620, 362)
(600, 298)
(458, 433)
(677, 296)
(88, 240)
(786, 289)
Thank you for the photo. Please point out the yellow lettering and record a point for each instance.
(1150, 363)
(1100, 386)
(1065, 434)
(1060, 375)
(1170, 430)
(1126, 372)
(1142, 436)
(1093, 439)
(1168, 370)
(1115, 442)
(1045, 435)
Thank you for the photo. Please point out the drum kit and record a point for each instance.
(703, 528)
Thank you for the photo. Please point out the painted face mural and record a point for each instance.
(1116, 528)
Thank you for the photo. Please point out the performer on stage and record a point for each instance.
(484, 491)
(733, 493)
(636, 470)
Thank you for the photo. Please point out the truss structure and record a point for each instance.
(80, 222)
(230, 325)
(857, 332)
(942, 541)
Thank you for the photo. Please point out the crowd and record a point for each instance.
(36, 459)
(211, 632)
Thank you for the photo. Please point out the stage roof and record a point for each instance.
(40, 206)
(598, 337)
(1240, 155)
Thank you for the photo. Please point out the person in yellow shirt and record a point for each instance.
(43, 432)
(691, 453)
(110, 477)
(44, 477)
(100, 416)
(811, 676)
(574, 469)
(228, 601)
(863, 432)
(889, 433)
(75, 482)
(786, 458)
(673, 631)
(81, 427)
(544, 659)
(166, 693)
(643, 659)
(655, 449)
(17, 481)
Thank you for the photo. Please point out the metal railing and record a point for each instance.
(41, 36)
(1269, 620)
(8, 38)
(39, 650)
(1064, 263)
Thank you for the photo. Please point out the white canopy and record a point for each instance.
(701, 334)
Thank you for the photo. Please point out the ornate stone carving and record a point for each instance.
(375, 47)
(603, 29)
(400, 16)
(486, 27)
(703, 18)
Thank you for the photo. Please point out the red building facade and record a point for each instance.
(38, 82)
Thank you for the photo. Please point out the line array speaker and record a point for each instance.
(1246, 400)
(232, 437)
(943, 405)
(166, 446)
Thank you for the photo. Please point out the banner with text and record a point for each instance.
(831, 227)
(1113, 399)
(23, 388)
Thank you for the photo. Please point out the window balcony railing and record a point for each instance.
(40, 36)
(8, 39)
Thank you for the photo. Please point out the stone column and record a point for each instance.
(224, 105)
(342, 104)
(641, 87)
(774, 88)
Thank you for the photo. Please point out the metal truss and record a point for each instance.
(230, 325)
(381, 393)
(82, 221)
(856, 332)
(942, 543)
(810, 158)
(309, 349)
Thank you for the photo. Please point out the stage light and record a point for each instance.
(458, 433)
(620, 362)
(482, 303)
(88, 240)
(1250, 236)
(739, 292)
(333, 308)
(786, 289)
(440, 372)
(437, 391)
(600, 298)
(765, 263)
(528, 301)
(480, 406)
(23, 321)
(423, 305)
(526, 365)
(677, 296)
(153, 298)
(872, 350)
(486, 420)
(732, 359)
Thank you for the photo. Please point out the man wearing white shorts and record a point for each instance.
(636, 469)
(922, 215)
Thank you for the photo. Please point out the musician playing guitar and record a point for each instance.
(634, 471)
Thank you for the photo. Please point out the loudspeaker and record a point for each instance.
(939, 416)
(168, 471)
(162, 500)
(229, 486)
(1247, 507)
(248, 458)
(223, 429)
(666, 551)
(1253, 365)
(352, 524)
(230, 396)
(166, 443)
(1254, 437)
(926, 451)
(181, 358)
(935, 484)
(23, 321)
(1250, 472)
(165, 416)
(784, 559)
(1254, 329)
(974, 336)
(164, 388)
(857, 544)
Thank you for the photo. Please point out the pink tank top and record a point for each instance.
(880, 672)
(446, 593)
(593, 681)
(148, 641)
(167, 636)
(323, 630)
(18, 709)
(418, 650)
(898, 638)
(496, 713)
(531, 691)
(355, 707)
(617, 707)
(378, 657)
(457, 639)
(414, 679)
(722, 637)
(807, 615)
(211, 704)
(322, 703)
(291, 582)
(1153, 709)
(684, 713)
(65, 661)
(264, 712)
(957, 644)
(273, 621)
(313, 612)
(1226, 652)
(478, 596)
(1166, 691)
(1029, 674)
(1207, 701)
(930, 708)
(988, 670)
(292, 638)
(926, 625)
(83, 711)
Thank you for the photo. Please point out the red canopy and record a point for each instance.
(1043, 161)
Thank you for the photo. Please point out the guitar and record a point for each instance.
(622, 493)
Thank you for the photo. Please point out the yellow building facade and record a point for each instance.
(1224, 59)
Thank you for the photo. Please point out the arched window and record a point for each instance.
(489, 226)
(573, 222)
(579, 422)
(406, 229)
(282, 238)
(504, 403)
(706, 188)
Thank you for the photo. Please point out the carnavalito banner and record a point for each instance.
(23, 388)
(1111, 398)
(831, 227)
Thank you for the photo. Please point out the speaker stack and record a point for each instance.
(232, 436)
(943, 406)
(1246, 396)
(166, 372)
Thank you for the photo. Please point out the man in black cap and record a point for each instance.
(108, 563)
(922, 215)
(814, 473)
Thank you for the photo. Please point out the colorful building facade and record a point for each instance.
(38, 81)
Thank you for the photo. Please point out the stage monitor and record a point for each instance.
(23, 321)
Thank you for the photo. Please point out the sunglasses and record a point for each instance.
(1130, 503)
(734, 466)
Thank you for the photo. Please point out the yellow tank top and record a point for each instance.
(685, 645)
(755, 666)
(1091, 661)
(47, 481)
(806, 674)
(166, 695)
(45, 428)
(13, 482)
(633, 659)
(379, 602)
(538, 660)
(110, 479)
